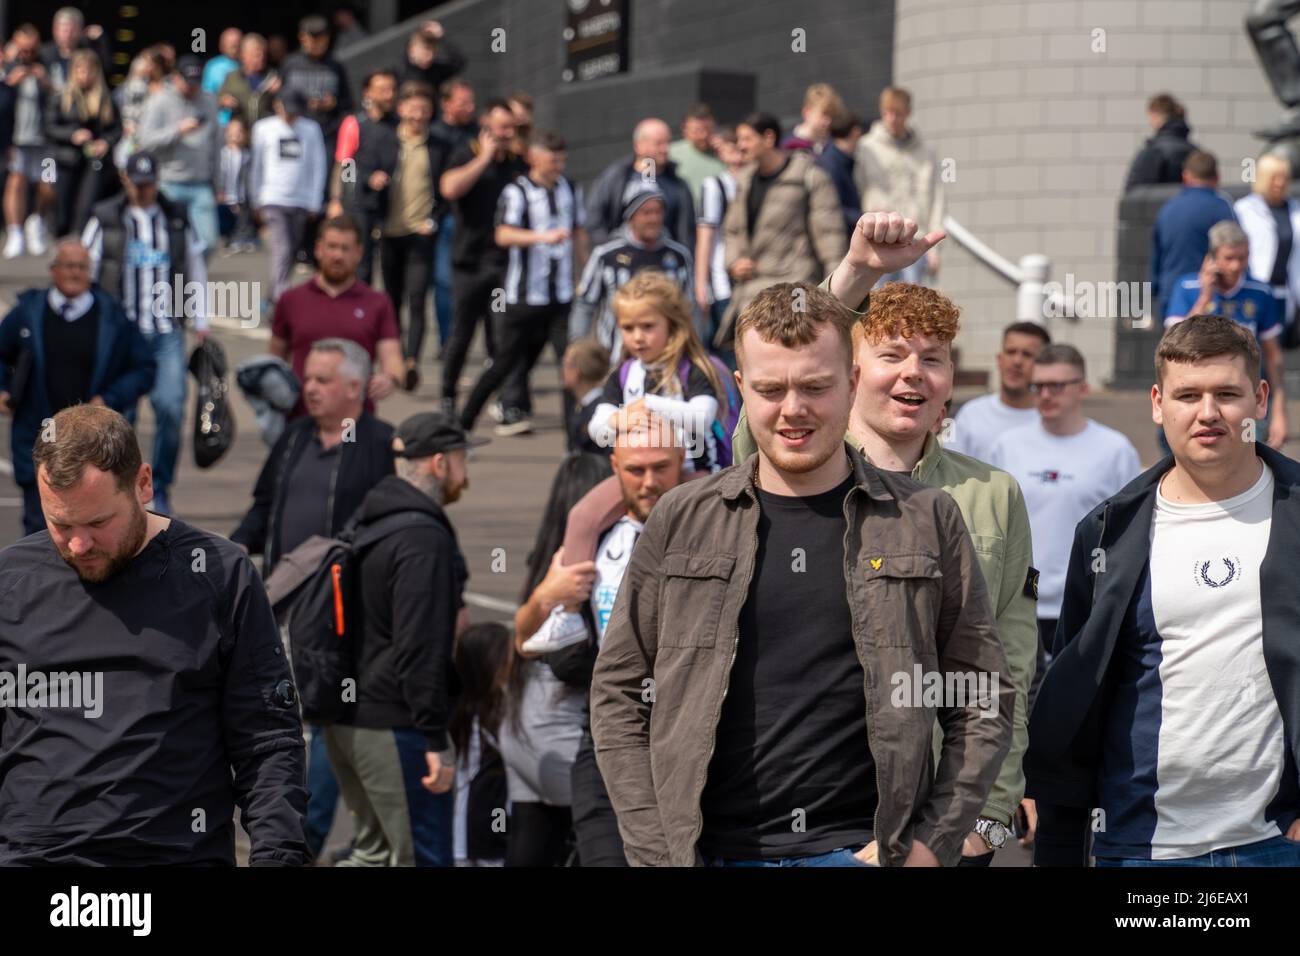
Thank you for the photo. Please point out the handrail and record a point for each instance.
(1037, 300)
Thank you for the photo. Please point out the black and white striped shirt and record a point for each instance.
(148, 274)
(540, 274)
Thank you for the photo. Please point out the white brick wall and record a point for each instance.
(1043, 129)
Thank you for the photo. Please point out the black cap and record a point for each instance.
(142, 169)
(430, 433)
(293, 100)
(190, 67)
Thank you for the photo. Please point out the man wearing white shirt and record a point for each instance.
(647, 468)
(1171, 713)
(982, 421)
(1066, 464)
(286, 179)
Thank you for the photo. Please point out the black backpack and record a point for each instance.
(315, 593)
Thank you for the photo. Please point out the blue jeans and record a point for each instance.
(322, 793)
(1275, 851)
(167, 399)
(200, 205)
(442, 300)
(841, 857)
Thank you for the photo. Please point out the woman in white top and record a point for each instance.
(1271, 220)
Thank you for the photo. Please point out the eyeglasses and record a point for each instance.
(1052, 388)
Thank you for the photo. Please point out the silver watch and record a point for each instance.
(993, 833)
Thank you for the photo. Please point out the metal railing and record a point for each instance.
(1035, 301)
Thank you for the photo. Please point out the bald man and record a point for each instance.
(649, 165)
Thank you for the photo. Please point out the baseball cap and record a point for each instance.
(190, 67)
(293, 100)
(430, 433)
(639, 197)
(142, 169)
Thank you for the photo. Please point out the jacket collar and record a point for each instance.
(740, 480)
(1286, 474)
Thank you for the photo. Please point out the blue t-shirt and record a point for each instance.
(1251, 303)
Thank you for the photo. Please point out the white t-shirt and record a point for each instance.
(1217, 736)
(1063, 478)
(613, 554)
(982, 421)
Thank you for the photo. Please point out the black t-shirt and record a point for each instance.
(474, 246)
(70, 363)
(306, 509)
(792, 772)
(758, 187)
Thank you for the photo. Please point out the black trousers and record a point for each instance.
(594, 821)
(76, 190)
(522, 331)
(407, 263)
(538, 835)
(472, 289)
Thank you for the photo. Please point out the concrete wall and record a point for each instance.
(1042, 129)
(847, 43)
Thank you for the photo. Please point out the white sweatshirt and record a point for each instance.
(288, 164)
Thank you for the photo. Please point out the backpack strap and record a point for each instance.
(370, 534)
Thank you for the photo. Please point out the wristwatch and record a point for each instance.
(993, 833)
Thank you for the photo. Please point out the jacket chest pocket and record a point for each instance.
(690, 602)
(903, 593)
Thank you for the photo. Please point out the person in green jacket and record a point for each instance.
(903, 347)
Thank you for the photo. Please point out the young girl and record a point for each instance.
(232, 188)
(664, 368)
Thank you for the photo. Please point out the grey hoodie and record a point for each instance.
(181, 159)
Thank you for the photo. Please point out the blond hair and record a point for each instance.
(94, 103)
(665, 296)
(1267, 165)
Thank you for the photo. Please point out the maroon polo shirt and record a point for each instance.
(307, 313)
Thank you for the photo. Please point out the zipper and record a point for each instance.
(726, 686)
(329, 499)
(865, 661)
(270, 546)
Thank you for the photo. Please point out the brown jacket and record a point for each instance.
(799, 236)
(916, 598)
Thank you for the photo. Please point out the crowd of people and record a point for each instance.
(764, 520)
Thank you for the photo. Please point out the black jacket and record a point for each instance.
(110, 214)
(194, 711)
(605, 203)
(59, 127)
(378, 150)
(411, 587)
(1160, 160)
(314, 79)
(1068, 724)
(359, 466)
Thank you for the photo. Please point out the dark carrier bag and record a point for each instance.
(316, 595)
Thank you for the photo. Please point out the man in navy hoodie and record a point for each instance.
(61, 346)
(1168, 725)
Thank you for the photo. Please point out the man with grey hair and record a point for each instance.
(393, 754)
(324, 463)
(649, 166)
(1224, 287)
(69, 33)
(314, 479)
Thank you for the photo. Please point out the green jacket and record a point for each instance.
(993, 507)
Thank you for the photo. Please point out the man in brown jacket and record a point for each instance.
(785, 223)
(766, 606)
